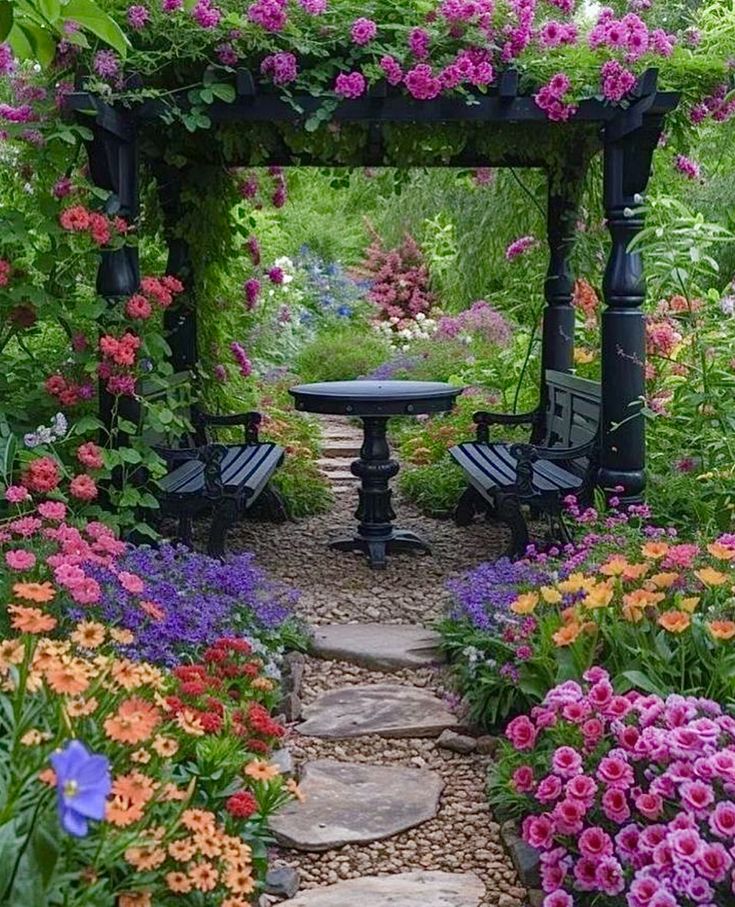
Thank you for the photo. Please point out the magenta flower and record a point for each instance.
(281, 67)
(418, 43)
(363, 31)
(138, 17)
(270, 15)
(519, 246)
(350, 85)
(106, 64)
(689, 168)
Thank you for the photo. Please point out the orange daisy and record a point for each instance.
(12, 652)
(134, 721)
(126, 674)
(240, 880)
(135, 786)
(165, 746)
(173, 793)
(89, 634)
(79, 708)
(35, 592)
(181, 851)
(198, 820)
(124, 637)
(722, 629)
(140, 757)
(145, 859)
(189, 723)
(30, 620)
(208, 844)
(178, 882)
(69, 678)
(121, 812)
(204, 876)
(262, 771)
(675, 621)
(236, 902)
(152, 610)
(134, 899)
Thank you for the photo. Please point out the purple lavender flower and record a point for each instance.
(138, 16)
(106, 64)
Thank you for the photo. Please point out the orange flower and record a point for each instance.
(172, 793)
(635, 571)
(30, 620)
(567, 634)
(722, 629)
(134, 721)
(264, 684)
(689, 604)
(236, 902)
(642, 598)
(261, 771)
(152, 610)
(35, 592)
(78, 708)
(240, 880)
(69, 677)
(598, 597)
(88, 634)
(34, 737)
(208, 843)
(135, 786)
(654, 550)
(525, 604)
(181, 851)
(198, 820)
(615, 566)
(721, 552)
(140, 757)
(127, 674)
(121, 812)
(293, 788)
(124, 637)
(204, 876)
(675, 621)
(178, 882)
(663, 580)
(189, 723)
(47, 776)
(165, 746)
(134, 899)
(711, 577)
(145, 859)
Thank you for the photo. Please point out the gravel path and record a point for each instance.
(341, 588)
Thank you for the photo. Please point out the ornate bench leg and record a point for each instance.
(509, 512)
(469, 504)
(224, 516)
(274, 507)
(185, 530)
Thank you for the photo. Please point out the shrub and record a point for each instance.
(655, 612)
(628, 798)
(342, 354)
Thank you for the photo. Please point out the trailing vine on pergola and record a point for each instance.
(502, 128)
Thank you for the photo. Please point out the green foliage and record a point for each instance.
(434, 488)
(341, 354)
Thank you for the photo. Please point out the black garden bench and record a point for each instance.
(561, 460)
(226, 478)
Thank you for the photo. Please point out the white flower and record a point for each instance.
(420, 317)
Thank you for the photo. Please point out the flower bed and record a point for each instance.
(627, 798)
(654, 611)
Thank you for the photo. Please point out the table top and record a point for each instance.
(375, 398)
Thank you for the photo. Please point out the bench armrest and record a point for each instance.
(212, 456)
(527, 454)
(483, 421)
(250, 420)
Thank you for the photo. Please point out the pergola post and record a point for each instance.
(627, 167)
(180, 320)
(113, 165)
(557, 343)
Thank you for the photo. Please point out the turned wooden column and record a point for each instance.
(627, 170)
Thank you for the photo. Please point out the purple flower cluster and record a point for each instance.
(314, 7)
(400, 365)
(7, 61)
(689, 168)
(106, 64)
(629, 36)
(208, 16)
(281, 67)
(720, 106)
(138, 16)
(617, 81)
(241, 358)
(252, 292)
(195, 599)
(642, 808)
(551, 99)
(481, 318)
(555, 34)
(484, 595)
(363, 31)
(418, 43)
(270, 15)
(350, 84)
(520, 246)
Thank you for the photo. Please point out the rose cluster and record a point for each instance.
(627, 795)
(100, 228)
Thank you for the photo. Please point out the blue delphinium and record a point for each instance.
(83, 783)
(196, 599)
(330, 289)
(484, 595)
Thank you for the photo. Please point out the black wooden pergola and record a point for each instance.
(504, 128)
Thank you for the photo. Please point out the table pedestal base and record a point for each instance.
(377, 549)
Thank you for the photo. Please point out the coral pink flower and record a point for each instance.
(19, 559)
(83, 488)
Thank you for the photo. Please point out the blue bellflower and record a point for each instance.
(82, 782)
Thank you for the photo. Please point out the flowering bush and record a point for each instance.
(657, 613)
(627, 798)
(162, 775)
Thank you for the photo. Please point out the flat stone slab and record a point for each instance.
(382, 647)
(408, 889)
(347, 803)
(386, 709)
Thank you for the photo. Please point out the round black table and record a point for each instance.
(375, 402)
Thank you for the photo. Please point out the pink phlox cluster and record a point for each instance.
(270, 15)
(350, 84)
(471, 66)
(281, 67)
(241, 358)
(480, 318)
(551, 98)
(662, 337)
(555, 34)
(686, 166)
(400, 280)
(206, 15)
(519, 246)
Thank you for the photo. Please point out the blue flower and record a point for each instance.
(82, 782)
(344, 311)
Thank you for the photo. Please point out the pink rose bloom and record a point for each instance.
(87, 592)
(17, 494)
(685, 845)
(363, 31)
(595, 843)
(585, 874)
(696, 796)
(523, 780)
(576, 712)
(131, 582)
(549, 789)
(566, 762)
(568, 817)
(609, 876)
(350, 85)
(601, 694)
(538, 831)
(627, 840)
(52, 510)
(521, 733)
(18, 559)
(649, 805)
(714, 862)
(558, 899)
(581, 787)
(615, 806)
(595, 675)
(642, 891)
(722, 820)
(615, 772)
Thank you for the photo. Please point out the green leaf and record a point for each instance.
(125, 425)
(93, 19)
(8, 449)
(50, 9)
(128, 455)
(224, 92)
(6, 19)
(41, 41)
(642, 682)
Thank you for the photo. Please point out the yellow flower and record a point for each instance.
(582, 356)
(654, 550)
(525, 604)
(12, 652)
(598, 597)
(711, 577)
(689, 604)
(663, 580)
(573, 583)
(616, 566)
(550, 595)
(34, 737)
(124, 637)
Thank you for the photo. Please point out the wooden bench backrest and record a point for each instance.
(573, 413)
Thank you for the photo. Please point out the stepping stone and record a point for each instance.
(382, 647)
(348, 448)
(389, 710)
(408, 889)
(348, 803)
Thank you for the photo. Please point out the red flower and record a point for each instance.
(83, 487)
(99, 228)
(241, 805)
(42, 475)
(138, 307)
(75, 219)
(211, 723)
(193, 688)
